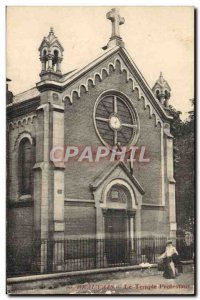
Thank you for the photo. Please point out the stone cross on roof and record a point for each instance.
(116, 20)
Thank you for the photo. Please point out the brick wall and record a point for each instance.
(20, 212)
(19, 239)
(155, 221)
(80, 131)
(79, 221)
(12, 156)
(20, 224)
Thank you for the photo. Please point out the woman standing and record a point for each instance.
(170, 258)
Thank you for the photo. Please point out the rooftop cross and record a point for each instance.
(116, 20)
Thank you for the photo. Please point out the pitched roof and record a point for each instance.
(29, 94)
(50, 40)
(76, 74)
(83, 69)
(161, 82)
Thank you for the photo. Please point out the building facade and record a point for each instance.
(105, 104)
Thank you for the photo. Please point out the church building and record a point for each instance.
(107, 104)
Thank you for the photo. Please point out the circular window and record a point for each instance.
(116, 120)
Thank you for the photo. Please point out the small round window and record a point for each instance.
(116, 120)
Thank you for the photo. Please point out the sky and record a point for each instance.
(157, 38)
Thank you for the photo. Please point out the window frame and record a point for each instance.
(132, 110)
(20, 164)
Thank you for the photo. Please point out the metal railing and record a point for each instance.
(49, 256)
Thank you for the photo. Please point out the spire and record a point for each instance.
(162, 90)
(51, 35)
(161, 79)
(117, 20)
(51, 56)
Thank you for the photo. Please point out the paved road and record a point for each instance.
(154, 284)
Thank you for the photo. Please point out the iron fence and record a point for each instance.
(49, 256)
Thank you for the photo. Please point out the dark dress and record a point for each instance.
(170, 264)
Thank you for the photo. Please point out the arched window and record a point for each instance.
(158, 94)
(119, 194)
(55, 58)
(26, 161)
(56, 53)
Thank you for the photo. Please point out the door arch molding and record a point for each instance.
(122, 183)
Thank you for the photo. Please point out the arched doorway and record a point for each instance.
(119, 223)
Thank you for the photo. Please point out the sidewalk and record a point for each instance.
(150, 284)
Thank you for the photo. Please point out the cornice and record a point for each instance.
(25, 120)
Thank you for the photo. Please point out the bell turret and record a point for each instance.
(162, 91)
(51, 56)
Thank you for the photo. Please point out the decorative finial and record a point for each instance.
(116, 20)
(51, 35)
(161, 79)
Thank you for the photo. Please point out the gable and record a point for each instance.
(92, 73)
(47, 43)
(108, 172)
(44, 43)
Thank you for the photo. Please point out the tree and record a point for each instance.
(183, 133)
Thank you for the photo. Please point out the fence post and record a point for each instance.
(58, 255)
(100, 260)
(43, 257)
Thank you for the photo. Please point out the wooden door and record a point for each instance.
(116, 237)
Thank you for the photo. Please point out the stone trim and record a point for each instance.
(59, 226)
(123, 68)
(20, 203)
(75, 202)
(162, 159)
(59, 166)
(126, 100)
(173, 226)
(47, 85)
(94, 185)
(25, 197)
(39, 278)
(127, 212)
(172, 180)
(42, 107)
(150, 206)
(21, 136)
(21, 122)
(39, 165)
(57, 108)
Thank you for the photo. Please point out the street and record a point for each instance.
(149, 284)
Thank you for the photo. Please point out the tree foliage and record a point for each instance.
(183, 133)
